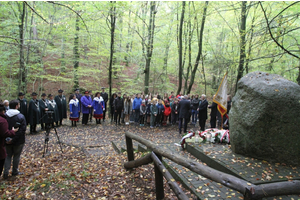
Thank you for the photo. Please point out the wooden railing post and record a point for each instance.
(129, 146)
(159, 181)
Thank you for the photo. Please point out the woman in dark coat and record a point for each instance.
(4, 133)
(34, 114)
(61, 103)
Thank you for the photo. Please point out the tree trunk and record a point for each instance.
(22, 77)
(180, 67)
(189, 68)
(242, 43)
(151, 27)
(193, 74)
(76, 54)
(112, 35)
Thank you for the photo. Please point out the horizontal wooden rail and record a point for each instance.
(250, 191)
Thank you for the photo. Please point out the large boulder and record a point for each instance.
(265, 118)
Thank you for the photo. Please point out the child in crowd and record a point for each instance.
(143, 109)
(74, 110)
(127, 109)
(160, 112)
(148, 112)
(167, 113)
(131, 114)
(153, 110)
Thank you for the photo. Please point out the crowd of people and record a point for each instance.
(49, 111)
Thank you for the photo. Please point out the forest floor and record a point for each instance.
(88, 168)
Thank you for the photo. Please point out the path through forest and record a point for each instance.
(89, 167)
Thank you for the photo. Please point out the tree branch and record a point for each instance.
(36, 12)
(283, 10)
(268, 26)
(74, 12)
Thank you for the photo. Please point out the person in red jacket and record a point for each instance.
(167, 112)
(4, 133)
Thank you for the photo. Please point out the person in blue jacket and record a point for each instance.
(160, 112)
(136, 108)
(99, 106)
(86, 104)
(74, 109)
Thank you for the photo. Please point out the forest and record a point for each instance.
(134, 46)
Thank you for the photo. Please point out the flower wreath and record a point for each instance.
(217, 136)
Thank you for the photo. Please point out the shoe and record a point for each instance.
(5, 176)
(19, 173)
(151, 127)
(119, 123)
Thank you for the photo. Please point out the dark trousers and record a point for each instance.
(202, 124)
(184, 126)
(136, 115)
(85, 118)
(118, 116)
(104, 112)
(112, 113)
(91, 114)
(142, 119)
(194, 116)
(1, 165)
(213, 121)
(174, 118)
(158, 119)
(73, 123)
(15, 152)
(32, 128)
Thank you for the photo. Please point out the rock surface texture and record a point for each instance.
(265, 118)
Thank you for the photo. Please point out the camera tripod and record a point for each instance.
(48, 129)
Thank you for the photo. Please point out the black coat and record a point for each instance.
(53, 107)
(105, 98)
(62, 106)
(214, 109)
(203, 109)
(34, 114)
(23, 108)
(184, 107)
(43, 106)
(195, 103)
(119, 104)
(19, 138)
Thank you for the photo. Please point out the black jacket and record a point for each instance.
(34, 114)
(214, 109)
(19, 138)
(195, 104)
(184, 107)
(203, 109)
(119, 104)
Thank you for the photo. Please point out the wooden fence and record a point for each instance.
(249, 190)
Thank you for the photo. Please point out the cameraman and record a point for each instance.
(4, 133)
(15, 145)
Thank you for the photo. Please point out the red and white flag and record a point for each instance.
(221, 96)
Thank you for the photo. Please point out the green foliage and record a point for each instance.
(49, 55)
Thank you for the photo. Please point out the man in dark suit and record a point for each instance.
(104, 95)
(184, 107)
(202, 112)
